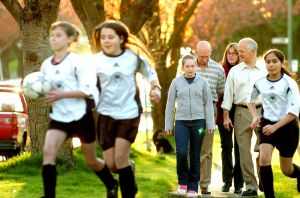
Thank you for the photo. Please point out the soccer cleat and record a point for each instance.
(113, 193)
(181, 189)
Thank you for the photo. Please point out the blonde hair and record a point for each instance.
(233, 46)
(185, 57)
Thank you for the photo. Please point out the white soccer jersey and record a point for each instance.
(279, 97)
(119, 92)
(70, 75)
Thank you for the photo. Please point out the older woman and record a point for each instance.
(229, 172)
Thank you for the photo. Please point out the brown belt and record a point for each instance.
(245, 106)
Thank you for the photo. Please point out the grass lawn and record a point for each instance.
(156, 175)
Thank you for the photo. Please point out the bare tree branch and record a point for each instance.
(138, 11)
(179, 28)
(91, 13)
(14, 8)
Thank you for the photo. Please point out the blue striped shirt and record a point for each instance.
(215, 76)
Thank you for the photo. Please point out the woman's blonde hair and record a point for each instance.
(233, 46)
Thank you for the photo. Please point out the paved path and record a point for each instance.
(215, 186)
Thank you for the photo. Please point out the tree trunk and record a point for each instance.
(90, 13)
(135, 13)
(34, 40)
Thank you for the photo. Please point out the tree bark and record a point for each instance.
(90, 13)
(135, 13)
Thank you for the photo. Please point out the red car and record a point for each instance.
(14, 134)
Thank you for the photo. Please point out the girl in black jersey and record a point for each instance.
(69, 115)
(279, 123)
(120, 55)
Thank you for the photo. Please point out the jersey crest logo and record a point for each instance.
(273, 98)
(116, 65)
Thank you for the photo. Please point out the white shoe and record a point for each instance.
(192, 193)
(181, 189)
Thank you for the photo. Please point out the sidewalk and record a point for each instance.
(215, 186)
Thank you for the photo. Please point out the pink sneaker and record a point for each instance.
(181, 189)
(192, 193)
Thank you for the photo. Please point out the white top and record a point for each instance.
(279, 97)
(119, 91)
(70, 75)
(238, 83)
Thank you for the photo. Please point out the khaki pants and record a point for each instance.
(243, 133)
(206, 160)
(206, 157)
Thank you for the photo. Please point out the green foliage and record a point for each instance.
(20, 177)
(263, 34)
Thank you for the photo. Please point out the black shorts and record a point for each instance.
(109, 129)
(285, 139)
(84, 128)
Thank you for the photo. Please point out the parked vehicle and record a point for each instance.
(14, 134)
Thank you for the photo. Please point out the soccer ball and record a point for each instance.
(36, 85)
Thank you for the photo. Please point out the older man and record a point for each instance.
(237, 87)
(215, 75)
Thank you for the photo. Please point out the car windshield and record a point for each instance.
(10, 101)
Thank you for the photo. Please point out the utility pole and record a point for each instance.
(290, 32)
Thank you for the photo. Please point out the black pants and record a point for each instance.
(229, 171)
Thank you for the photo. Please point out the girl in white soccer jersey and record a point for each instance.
(121, 56)
(69, 116)
(278, 124)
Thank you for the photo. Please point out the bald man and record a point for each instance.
(214, 73)
(239, 80)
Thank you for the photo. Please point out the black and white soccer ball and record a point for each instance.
(36, 85)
